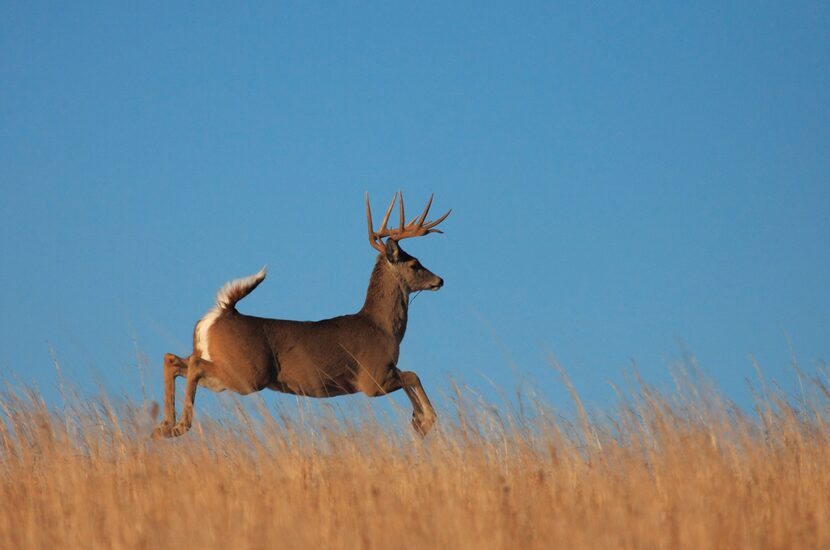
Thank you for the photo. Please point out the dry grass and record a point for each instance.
(678, 470)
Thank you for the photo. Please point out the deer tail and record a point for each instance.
(233, 291)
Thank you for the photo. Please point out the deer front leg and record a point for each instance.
(174, 367)
(423, 415)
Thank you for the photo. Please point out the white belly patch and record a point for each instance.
(213, 384)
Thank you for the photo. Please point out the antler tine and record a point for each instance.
(426, 211)
(430, 225)
(372, 241)
(373, 237)
(402, 218)
(383, 229)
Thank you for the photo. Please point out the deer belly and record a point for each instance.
(212, 383)
(311, 388)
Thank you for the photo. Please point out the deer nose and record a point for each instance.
(439, 284)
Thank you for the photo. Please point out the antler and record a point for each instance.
(417, 227)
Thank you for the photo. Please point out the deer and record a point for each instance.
(355, 353)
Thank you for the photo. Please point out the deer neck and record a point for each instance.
(387, 300)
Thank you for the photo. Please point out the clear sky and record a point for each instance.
(634, 182)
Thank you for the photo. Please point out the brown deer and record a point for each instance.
(343, 355)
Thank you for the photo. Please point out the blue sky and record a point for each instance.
(628, 182)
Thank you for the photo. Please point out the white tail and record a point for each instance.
(233, 291)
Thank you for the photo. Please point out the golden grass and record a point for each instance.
(683, 469)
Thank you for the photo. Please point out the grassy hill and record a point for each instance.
(683, 469)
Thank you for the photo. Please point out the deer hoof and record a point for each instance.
(163, 430)
(179, 429)
(422, 423)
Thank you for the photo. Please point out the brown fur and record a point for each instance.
(342, 355)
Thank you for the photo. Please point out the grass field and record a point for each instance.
(680, 469)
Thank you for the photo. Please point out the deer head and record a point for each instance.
(411, 275)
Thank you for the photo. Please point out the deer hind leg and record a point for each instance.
(197, 368)
(174, 367)
(423, 415)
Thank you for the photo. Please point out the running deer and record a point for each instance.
(343, 355)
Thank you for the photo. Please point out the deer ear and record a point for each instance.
(393, 251)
